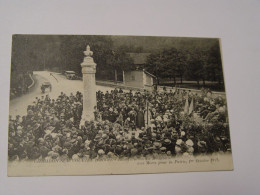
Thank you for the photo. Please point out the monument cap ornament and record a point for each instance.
(88, 60)
(88, 52)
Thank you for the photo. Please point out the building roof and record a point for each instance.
(149, 73)
(70, 72)
(139, 58)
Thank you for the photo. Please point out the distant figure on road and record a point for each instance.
(43, 89)
(54, 77)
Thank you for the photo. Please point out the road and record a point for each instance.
(60, 83)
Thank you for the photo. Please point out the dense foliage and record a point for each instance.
(193, 64)
(170, 58)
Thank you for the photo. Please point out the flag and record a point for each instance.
(191, 108)
(147, 114)
(186, 107)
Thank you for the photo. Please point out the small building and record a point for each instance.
(139, 79)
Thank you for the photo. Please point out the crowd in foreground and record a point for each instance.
(142, 125)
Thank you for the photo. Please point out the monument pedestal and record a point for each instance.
(89, 85)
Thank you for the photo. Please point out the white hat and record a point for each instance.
(177, 149)
(190, 150)
(189, 142)
(179, 142)
(50, 153)
(65, 151)
(75, 157)
(110, 154)
(186, 154)
(101, 152)
(87, 142)
(19, 132)
(221, 109)
(54, 135)
(47, 132)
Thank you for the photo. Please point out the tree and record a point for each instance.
(119, 61)
(155, 65)
(205, 64)
(194, 68)
(215, 71)
(169, 63)
(169, 67)
(180, 59)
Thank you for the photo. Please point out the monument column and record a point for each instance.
(89, 86)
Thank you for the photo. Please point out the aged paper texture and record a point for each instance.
(88, 105)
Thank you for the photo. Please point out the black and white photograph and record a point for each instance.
(129, 97)
(94, 104)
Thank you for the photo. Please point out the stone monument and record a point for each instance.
(89, 86)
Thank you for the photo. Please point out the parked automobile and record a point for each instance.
(71, 75)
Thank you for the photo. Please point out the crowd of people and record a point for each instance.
(143, 125)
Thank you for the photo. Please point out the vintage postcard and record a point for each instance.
(88, 105)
